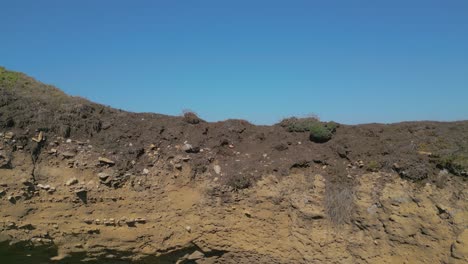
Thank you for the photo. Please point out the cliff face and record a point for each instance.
(83, 182)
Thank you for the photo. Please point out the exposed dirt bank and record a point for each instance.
(82, 181)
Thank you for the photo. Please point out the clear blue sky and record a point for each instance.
(349, 61)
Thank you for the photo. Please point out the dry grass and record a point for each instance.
(339, 203)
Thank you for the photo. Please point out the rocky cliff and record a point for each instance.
(81, 181)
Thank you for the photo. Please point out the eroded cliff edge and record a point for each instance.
(83, 182)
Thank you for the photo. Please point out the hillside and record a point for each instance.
(80, 181)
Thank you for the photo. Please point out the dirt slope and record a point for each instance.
(81, 181)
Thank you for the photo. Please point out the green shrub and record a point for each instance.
(320, 133)
(294, 124)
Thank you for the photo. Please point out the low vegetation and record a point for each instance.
(8, 79)
(320, 132)
(339, 203)
(455, 163)
(239, 182)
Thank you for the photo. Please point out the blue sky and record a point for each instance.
(348, 61)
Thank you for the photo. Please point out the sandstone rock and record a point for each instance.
(122, 221)
(107, 161)
(460, 246)
(103, 176)
(43, 187)
(109, 222)
(71, 181)
(188, 228)
(196, 255)
(145, 171)
(9, 135)
(140, 220)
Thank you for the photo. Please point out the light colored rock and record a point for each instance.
(9, 135)
(186, 147)
(145, 171)
(140, 220)
(42, 186)
(106, 161)
(71, 181)
(217, 169)
(103, 176)
(39, 137)
(196, 255)
(52, 151)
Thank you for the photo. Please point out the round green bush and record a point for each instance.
(319, 133)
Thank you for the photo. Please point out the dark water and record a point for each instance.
(24, 253)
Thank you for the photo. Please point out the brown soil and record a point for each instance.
(184, 165)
